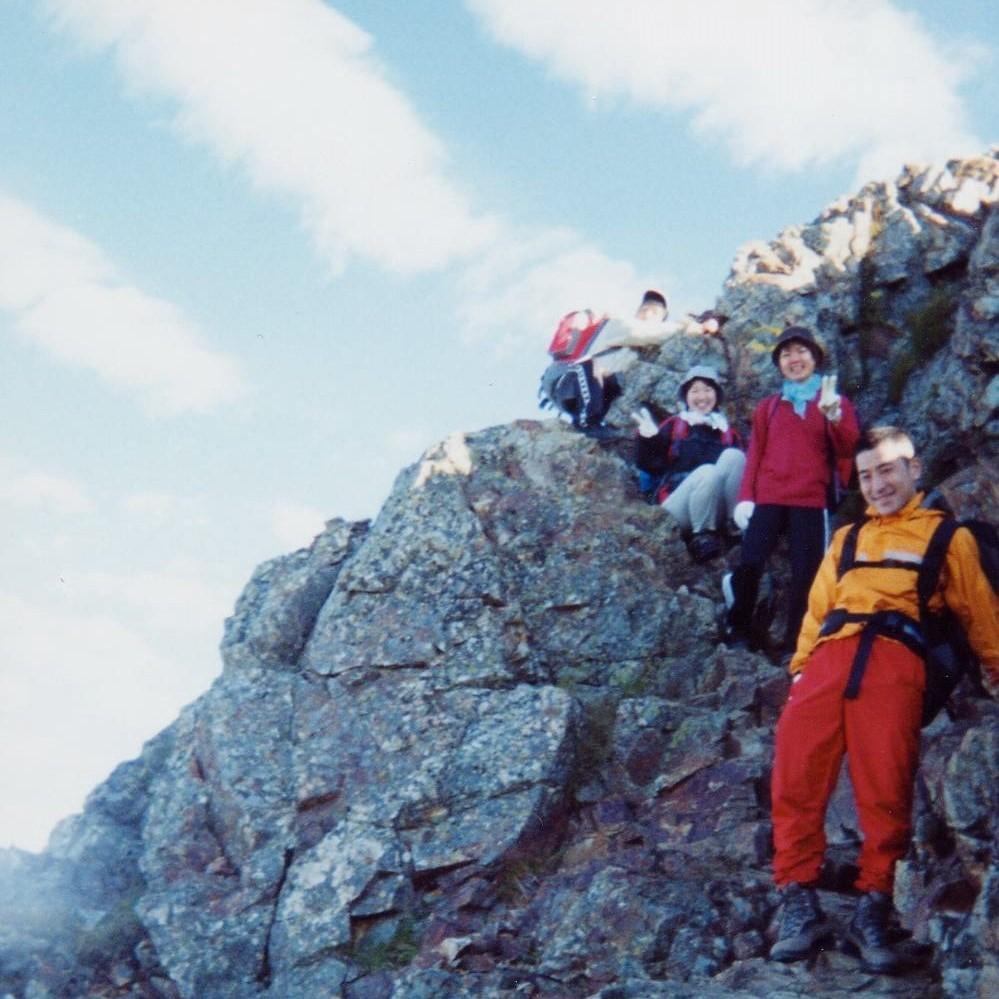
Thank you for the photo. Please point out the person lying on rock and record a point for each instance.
(800, 445)
(585, 387)
(650, 326)
(866, 700)
(698, 459)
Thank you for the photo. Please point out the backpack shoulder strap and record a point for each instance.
(848, 554)
(678, 430)
(593, 335)
(933, 559)
(772, 402)
(987, 538)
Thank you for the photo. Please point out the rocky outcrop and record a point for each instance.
(901, 283)
(489, 743)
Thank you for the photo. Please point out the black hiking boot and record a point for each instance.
(737, 641)
(909, 950)
(602, 432)
(803, 924)
(869, 935)
(733, 637)
(704, 546)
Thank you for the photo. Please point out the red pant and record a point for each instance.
(880, 732)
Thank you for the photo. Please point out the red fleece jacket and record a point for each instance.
(788, 462)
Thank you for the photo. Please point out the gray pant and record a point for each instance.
(707, 496)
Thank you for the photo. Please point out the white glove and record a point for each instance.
(742, 513)
(829, 399)
(646, 425)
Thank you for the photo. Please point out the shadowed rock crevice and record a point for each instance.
(265, 974)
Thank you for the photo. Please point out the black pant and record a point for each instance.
(807, 530)
(584, 397)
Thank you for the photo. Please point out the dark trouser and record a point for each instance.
(807, 530)
(584, 397)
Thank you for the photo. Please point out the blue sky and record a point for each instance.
(256, 255)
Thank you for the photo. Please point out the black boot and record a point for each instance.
(601, 432)
(733, 636)
(704, 546)
(802, 924)
(868, 934)
(740, 589)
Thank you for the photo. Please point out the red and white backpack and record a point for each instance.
(575, 335)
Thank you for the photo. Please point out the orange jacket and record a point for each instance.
(903, 536)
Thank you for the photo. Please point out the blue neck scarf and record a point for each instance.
(798, 393)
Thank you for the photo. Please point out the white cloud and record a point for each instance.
(41, 490)
(296, 525)
(409, 442)
(175, 598)
(783, 83)
(79, 693)
(153, 509)
(290, 91)
(65, 296)
(528, 281)
(293, 93)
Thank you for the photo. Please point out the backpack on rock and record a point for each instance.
(569, 384)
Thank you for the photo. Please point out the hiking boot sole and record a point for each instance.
(875, 960)
(799, 947)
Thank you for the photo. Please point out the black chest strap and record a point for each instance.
(885, 624)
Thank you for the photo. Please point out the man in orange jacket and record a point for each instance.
(877, 723)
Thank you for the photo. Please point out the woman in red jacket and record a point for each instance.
(801, 443)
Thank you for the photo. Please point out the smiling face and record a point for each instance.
(701, 396)
(796, 361)
(888, 478)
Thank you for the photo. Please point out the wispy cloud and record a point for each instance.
(295, 524)
(100, 686)
(67, 297)
(291, 91)
(175, 598)
(41, 490)
(294, 94)
(408, 442)
(154, 508)
(531, 278)
(783, 83)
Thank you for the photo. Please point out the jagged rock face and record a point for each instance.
(901, 284)
(488, 744)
